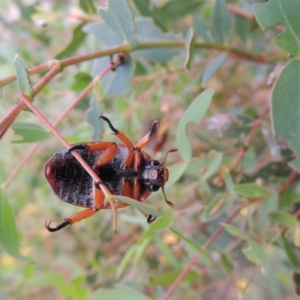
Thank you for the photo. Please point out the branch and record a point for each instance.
(60, 118)
(197, 256)
(95, 177)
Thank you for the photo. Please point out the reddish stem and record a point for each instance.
(288, 182)
(11, 116)
(197, 256)
(254, 128)
(60, 118)
(67, 145)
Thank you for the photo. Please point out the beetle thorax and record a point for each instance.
(151, 173)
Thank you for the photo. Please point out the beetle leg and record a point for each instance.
(108, 155)
(73, 219)
(127, 191)
(98, 197)
(136, 189)
(119, 134)
(53, 229)
(91, 146)
(148, 136)
(133, 160)
(150, 219)
(129, 160)
(77, 147)
(137, 160)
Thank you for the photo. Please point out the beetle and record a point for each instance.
(124, 169)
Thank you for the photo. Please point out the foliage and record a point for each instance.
(227, 96)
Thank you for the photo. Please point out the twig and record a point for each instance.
(60, 118)
(197, 256)
(68, 62)
(11, 116)
(288, 182)
(95, 177)
(149, 45)
(254, 128)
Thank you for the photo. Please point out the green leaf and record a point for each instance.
(290, 253)
(251, 190)
(215, 208)
(297, 236)
(81, 80)
(29, 132)
(190, 242)
(296, 281)
(167, 278)
(138, 205)
(104, 34)
(215, 162)
(159, 224)
(117, 82)
(23, 77)
(194, 113)
(9, 239)
(213, 67)
(88, 6)
(136, 252)
(230, 185)
(149, 10)
(190, 38)
(92, 117)
(163, 14)
(227, 265)
(175, 172)
(176, 9)
(284, 218)
(286, 106)
(165, 250)
(148, 32)
(221, 21)
(254, 253)
(202, 30)
(284, 12)
(242, 26)
(78, 37)
(117, 293)
(126, 259)
(118, 16)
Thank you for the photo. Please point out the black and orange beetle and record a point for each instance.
(125, 170)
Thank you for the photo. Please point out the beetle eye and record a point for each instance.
(154, 188)
(155, 162)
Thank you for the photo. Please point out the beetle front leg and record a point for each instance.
(148, 136)
(119, 134)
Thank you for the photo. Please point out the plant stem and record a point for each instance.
(95, 177)
(197, 256)
(59, 119)
(149, 45)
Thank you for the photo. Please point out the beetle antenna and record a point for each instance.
(172, 150)
(168, 202)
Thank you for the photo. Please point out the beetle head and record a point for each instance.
(155, 175)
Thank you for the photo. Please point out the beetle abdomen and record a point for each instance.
(68, 179)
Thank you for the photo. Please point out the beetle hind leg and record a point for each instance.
(73, 219)
(59, 227)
